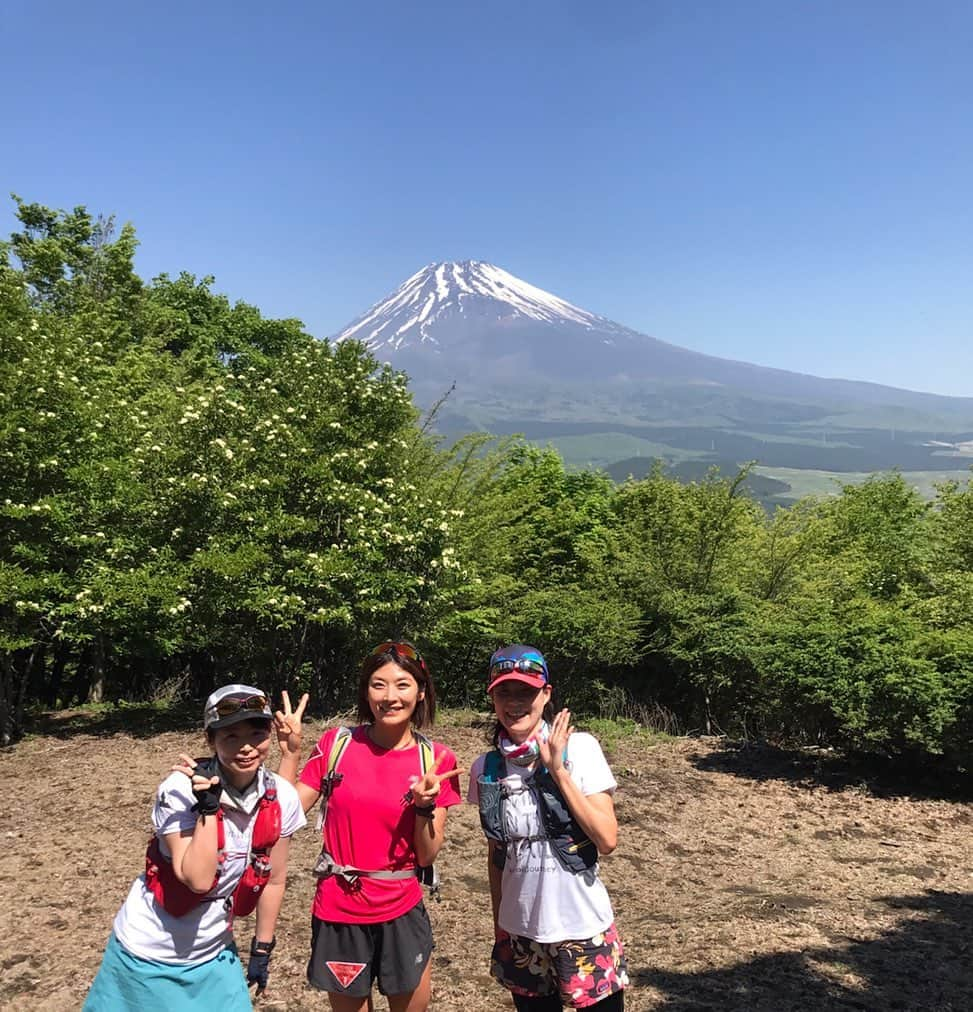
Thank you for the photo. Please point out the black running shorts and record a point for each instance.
(349, 958)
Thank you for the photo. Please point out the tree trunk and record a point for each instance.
(28, 676)
(6, 683)
(52, 690)
(96, 687)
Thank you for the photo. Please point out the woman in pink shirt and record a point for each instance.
(386, 789)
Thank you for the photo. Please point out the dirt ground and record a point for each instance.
(744, 878)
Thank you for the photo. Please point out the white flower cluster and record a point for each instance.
(184, 604)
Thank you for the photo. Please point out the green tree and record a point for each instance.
(686, 558)
(533, 545)
(191, 488)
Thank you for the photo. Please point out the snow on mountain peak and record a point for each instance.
(459, 289)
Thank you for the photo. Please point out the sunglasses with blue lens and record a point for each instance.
(526, 665)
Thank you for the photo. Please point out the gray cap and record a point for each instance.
(212, 720)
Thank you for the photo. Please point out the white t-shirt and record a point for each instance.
(145, 929)
(540, 898)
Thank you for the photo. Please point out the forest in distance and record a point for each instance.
(826, 455)
(193, 493)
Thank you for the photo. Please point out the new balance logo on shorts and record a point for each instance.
(418, 959)
(344, 973)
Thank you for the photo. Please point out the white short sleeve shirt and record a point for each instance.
(540, 898)
(144, 928)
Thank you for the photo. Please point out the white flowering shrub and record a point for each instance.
(187, 486)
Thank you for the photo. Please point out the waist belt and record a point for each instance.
(326, 866)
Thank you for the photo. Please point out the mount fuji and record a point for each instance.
(470, 321)
(520, 359)
(470, 292)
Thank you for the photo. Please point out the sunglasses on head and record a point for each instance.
(227, 707)
(526, 665)
(400, 649)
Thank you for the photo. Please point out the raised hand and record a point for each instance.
(426, 789)
(552, 750)
(206, 788)
(287, 724)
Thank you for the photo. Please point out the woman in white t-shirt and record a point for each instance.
(545, 799)
(219, 850)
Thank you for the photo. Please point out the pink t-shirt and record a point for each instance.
(370, 825)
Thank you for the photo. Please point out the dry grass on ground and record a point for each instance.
(744, 879)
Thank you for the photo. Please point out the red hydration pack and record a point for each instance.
(178, 899)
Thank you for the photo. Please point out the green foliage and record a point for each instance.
(870, 645)
(534, 545)
(190, 486)
(192, 493)
(613, 731)
(685, 555)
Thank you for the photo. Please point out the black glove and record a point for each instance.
(208, 800)
(258, 969)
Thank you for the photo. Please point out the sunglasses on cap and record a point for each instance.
(227, 707)
(525, 665)
(400, 648)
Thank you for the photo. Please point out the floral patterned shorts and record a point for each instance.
(581, 972)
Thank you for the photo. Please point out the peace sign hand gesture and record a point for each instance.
(552, 750)
(426, 789)
(287, 724)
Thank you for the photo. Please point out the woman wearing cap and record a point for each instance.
(222, 829)
(386, 789)
(545, 798)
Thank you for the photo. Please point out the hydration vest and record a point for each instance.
(326, 866)
(178, 899)
(568, 840)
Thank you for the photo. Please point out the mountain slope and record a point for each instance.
(526, 361)
(481, 326)
(442, 294)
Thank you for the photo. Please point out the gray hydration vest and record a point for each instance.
(568, 840)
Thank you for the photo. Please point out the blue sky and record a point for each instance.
(786, 182)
